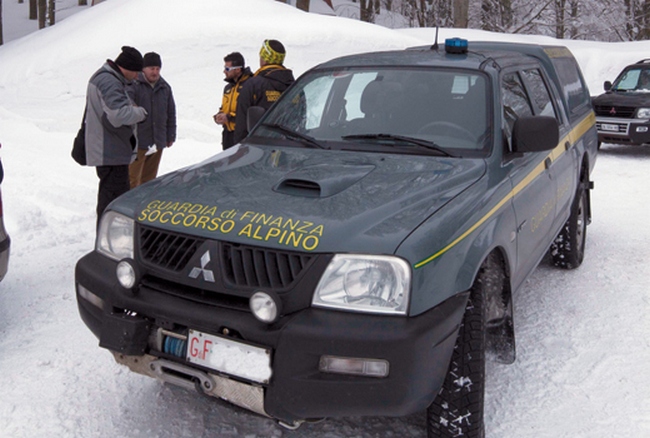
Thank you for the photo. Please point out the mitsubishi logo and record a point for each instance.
(613, 111)
(208, 275)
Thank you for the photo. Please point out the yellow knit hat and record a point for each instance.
(272, 52)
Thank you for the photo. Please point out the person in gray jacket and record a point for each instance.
(111, 123)
(158, 130)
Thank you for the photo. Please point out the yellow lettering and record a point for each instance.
(227, 226)
(214, 224)
(246, 230)
(162, 219)
(202, 222)
(295, 239)
(310, 246)
(273, 232)
(189, 220)
(177, 221)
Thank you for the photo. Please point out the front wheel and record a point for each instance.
(458, 408)
(568, 248)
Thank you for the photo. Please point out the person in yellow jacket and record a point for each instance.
(236, 74)
(266, 85)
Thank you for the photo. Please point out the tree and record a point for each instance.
(461, 13)
(50, 11)
(83, 2)
(1, 39)
(33, 9)
(42, 13)
(303, 5)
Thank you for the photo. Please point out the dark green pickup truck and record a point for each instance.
(357, 253)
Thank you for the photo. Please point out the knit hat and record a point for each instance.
(130, 59)
(272, 52)
(152, 59)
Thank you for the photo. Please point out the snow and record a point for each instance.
(583, 336)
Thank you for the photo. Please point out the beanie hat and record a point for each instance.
(152, 59)
(130, 59)
(272, 52)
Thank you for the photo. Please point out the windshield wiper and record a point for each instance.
(294, 135)
(410, 140)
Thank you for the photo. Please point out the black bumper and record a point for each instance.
(638, 133)
(418, 349)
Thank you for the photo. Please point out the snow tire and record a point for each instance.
(568, 248)
(458, 408)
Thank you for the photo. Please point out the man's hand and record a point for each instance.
(220, 118)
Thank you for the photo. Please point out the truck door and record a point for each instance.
(563, 160)
(533, 181)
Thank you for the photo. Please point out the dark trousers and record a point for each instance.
(227, 139)
(113, 182)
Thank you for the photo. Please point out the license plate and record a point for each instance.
(608, 127)
(230, 357)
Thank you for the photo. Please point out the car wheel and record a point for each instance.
(458, 408)
(568, 248)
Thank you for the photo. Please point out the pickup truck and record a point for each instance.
(357, 254)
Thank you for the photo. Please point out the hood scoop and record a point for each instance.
(322, 180)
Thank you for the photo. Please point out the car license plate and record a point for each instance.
(230, 357)
(609, 127)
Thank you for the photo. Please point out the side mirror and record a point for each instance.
(607, 85)
(535, 134)
(253, 116)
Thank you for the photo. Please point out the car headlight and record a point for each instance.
(643, 113)
(365, 283)
(115, 236)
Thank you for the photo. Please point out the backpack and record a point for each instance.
(79, 145)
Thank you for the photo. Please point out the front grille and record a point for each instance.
(241, 266)
(624, 112)
(260, 267)
(167, 250)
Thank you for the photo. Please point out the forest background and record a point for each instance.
(594, 20)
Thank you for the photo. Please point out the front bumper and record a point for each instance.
(418, 349)
(623, 131)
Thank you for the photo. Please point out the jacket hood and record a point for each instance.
(302, 199)
(277, 73)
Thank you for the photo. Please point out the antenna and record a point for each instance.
(435, 42)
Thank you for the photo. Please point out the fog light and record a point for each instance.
(127, 273)
(641, 129)
(355, 366)
(265, 306)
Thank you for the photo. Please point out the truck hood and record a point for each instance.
(302, 199)
(618, 98)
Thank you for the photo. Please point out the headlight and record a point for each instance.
(365, 283)
(643, 113)
(115, 236)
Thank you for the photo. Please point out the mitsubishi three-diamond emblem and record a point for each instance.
(208, 275)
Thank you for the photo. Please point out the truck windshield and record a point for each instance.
(634, 80)
(380, 108)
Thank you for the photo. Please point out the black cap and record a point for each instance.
(152, 59)
(130, 59)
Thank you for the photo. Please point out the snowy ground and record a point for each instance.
(583, 337)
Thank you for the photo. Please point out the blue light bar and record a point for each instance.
(455, 45)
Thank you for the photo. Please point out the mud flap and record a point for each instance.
(500, 339)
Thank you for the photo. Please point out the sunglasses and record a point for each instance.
(232, 68)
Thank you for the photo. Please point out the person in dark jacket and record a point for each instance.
(158, 130)
(265, 87)
(236, 74)
(111, 124)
